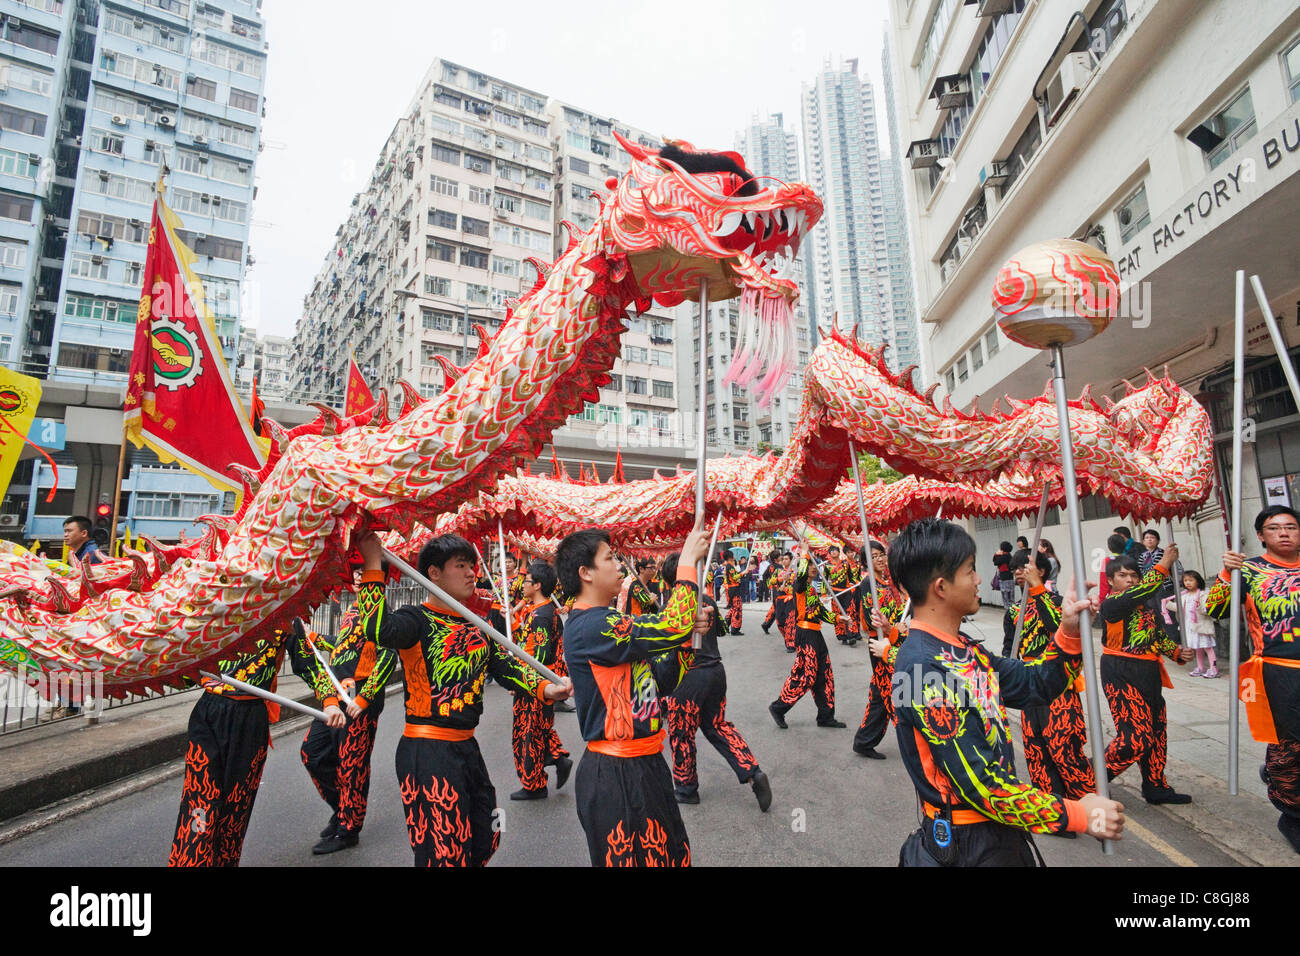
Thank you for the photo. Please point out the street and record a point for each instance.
(830, 807)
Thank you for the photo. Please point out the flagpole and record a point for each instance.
(117, 490)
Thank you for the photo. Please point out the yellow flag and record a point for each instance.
(19, 396)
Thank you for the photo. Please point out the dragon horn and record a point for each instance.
(449, 371)
(330, 423)
(276, 432)
(572, 232)
(635, 150)
(88, 587)
(19, 595)
(381, 409)
(139, 571)
(411, 399)
(247, 477)
(62, 598)
(159, 557)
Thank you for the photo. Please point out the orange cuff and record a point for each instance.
(361, 702)
(330, 702)
(687, 573)
(1164, 571)
(372, 577)
(1225, 575)
(541, 690)
(1037, 590)
(1076, 819)
(1071, 645)
(893, 636)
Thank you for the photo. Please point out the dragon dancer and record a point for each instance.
(953, 730)
(1132, 673)
(812, 663)
(224, 755)
(624, 789)
(534, 741)
(890, 633)
(700, 704)
(735, 601)
(1055, 737)
(839, 577)
(451, 805)
(337, 751)
(1270, 680)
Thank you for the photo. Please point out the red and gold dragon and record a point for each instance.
(677, 219)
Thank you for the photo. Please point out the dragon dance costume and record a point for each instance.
(1055, 736)
(338, 759)
(533, 739)
(228, 736)
(812, 662)
(735, 599)
(700, 704)
(880, 699)
(640, 599)
(1132, 676)
(840, 578)
(955, 741)
(448, 797)
(624, 789)
(1271, 678)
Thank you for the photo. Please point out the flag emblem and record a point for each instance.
(12, 401)
(177, 360)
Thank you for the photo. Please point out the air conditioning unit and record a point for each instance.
(200, 141)
(990, 8)
(216, 200)
(1065, 85)
(10, 521)
(97, 260)
(103, 175)
(166, 120)
(995, 173)
(951, 91)
(119, 119)
(923, 152)
(243, 168)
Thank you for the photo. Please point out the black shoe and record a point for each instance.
(831, 723)
(762, 789)
(766, 628)
(563, 766)
(778, 715)
(1289, 827)
(735, 632)
(526, 794)
(691, 798)
(789, 650)
(331, 828)
(852, 642)
(1165, 795)
(1263, 775)
(339, 841)
(871, 753)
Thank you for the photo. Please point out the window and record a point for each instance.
(30, 37)
(203, 204)
(534, 127)
(21, 121)
(83, 265)
(1234, 124)
(444, 187)
(437, 285)
(243, 100)
(609, 415)
(1133, 214)
(245, 28)
(976, 358)
(478, 294)
(16, 207)
(477, 164)
(635, 353)
(217, 247)
(991, 343)
(445, 154)
(663, 389)
(442, 251)
(233, 135)
(510, 172)
(638, 418)
(444, 123)
(447, 99)
(111, 227)
(504, 266)
(475, 227)
(1022, 153)
(13, 254)
(537, 210)
(24, 77)
(577, 140)
(9, 295)
(506, 119)
(87, 307)
(94, 358)
(435, 321)
(229, 58)
(539, 182)
(442, 219)
(636, 386)
(950, 380)
(142, 31)
(507, 203)
(579, 165)
(1291, 68)
(615, 383)
(480, 194)
(962, 370)
(14, 163)
(518, 236)
(474, 258)
(660, 357)
(202, 88)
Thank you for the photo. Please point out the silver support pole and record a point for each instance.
(506, 610)
(1234, 615)
(265, 694)
(696, 640)
(1091, 699)
(1279, 343)
(702, 454)
(329, 672)
(470, 616)
(866, 534)
(487, 570)
(1033, 554)
(1176, 572)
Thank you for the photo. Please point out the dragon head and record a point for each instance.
(684, 216)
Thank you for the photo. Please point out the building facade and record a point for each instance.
(1165, 132)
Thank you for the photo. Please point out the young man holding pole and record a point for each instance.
(624, 789)
(812, 663)
(735, 600)
(839, 579)
(953, 730)
(889, 635)
(1270, 680)
(533, 738)
(451, 805)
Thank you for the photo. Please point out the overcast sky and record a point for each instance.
(340, 73)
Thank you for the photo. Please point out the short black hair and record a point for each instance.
(576, 551)
(438, 551)
(1273, 511)
(1152, 531)
(643, 563)
(1125, 562)
(834, 547)
(1023, 542)
(1196, 576)
(1021, 558)
(1124, 531)
(543, 576)
(1004, 546)
(1115, 543)
(669, 570)
(81, 521)
(925, 550)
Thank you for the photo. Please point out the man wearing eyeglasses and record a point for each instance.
(1270, 680)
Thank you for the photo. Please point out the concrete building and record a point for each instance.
(473, 181)
(1166, 132)
(897, 248)
(850, 270)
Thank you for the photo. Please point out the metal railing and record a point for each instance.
(52, 701)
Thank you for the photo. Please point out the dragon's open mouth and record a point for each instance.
(763, 240)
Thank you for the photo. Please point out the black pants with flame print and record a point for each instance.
(1137, 705)
(700, 704)
(628, 812)
(1056, 747)
(338, 762)
(880, 706)
(223, 768)
(811, 672)
(449, 800)
(534, 741)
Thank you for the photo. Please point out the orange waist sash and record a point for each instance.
(1251, 692)
(636, 747)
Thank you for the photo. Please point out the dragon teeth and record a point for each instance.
(730, 223)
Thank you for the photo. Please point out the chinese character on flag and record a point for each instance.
(358, 397)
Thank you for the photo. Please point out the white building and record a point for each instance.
(1167, 131)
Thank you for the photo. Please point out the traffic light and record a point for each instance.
(104, 510)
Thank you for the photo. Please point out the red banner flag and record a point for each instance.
(179, 398)
(358, 397)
